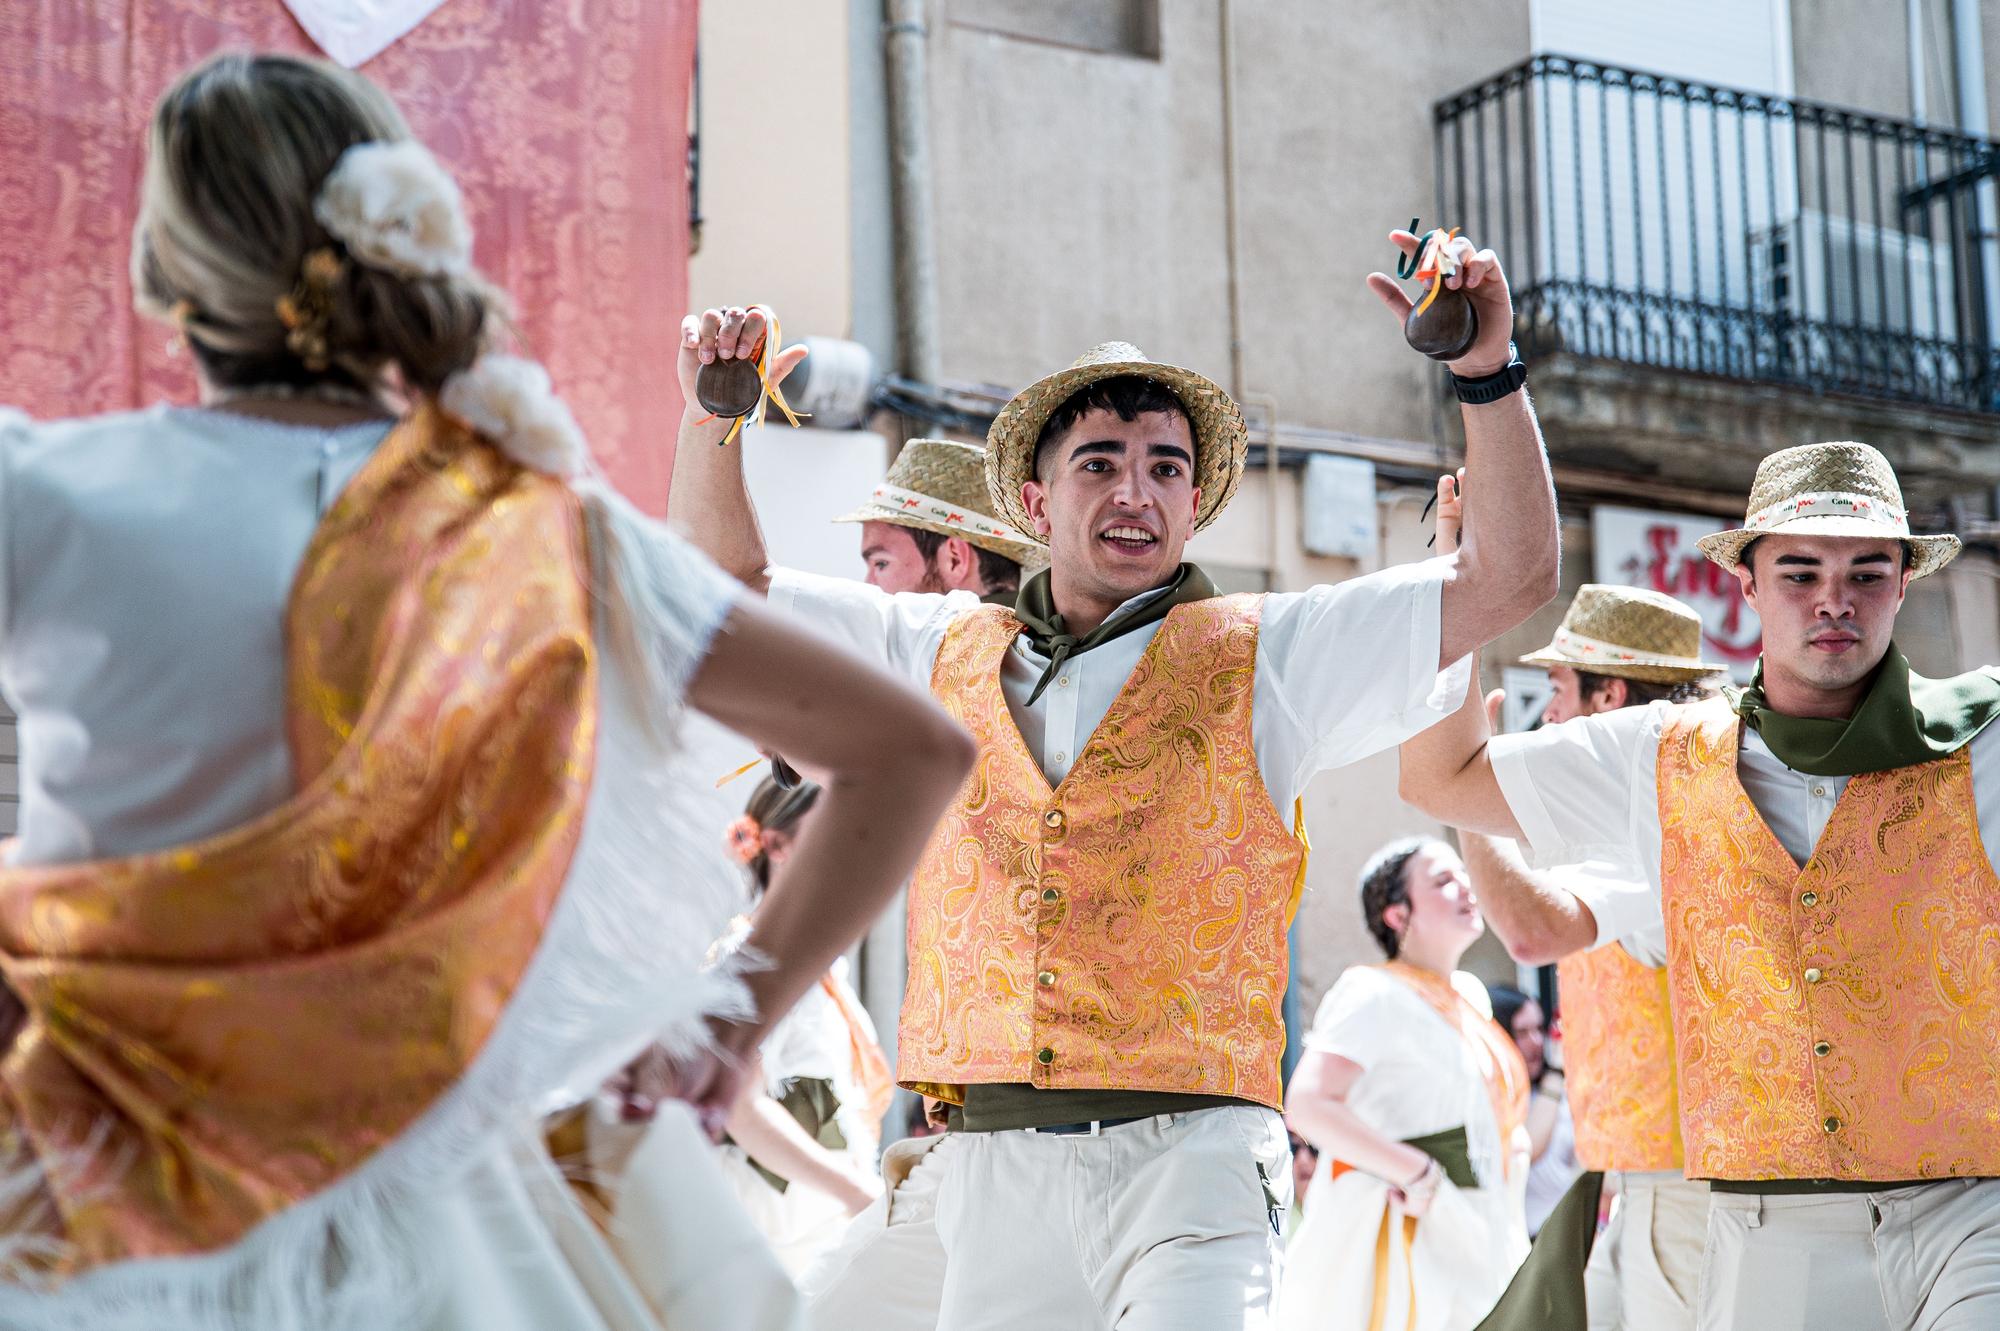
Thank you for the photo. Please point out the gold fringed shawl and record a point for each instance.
(220, 1030)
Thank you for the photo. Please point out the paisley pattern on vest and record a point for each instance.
(1840, 1020)
(1125, 930)
(1618, 1042)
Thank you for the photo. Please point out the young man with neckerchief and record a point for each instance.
(1817, 847)
(1097, 934)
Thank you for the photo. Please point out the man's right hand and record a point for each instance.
(731, 333)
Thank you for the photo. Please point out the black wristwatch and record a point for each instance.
(1492, 387)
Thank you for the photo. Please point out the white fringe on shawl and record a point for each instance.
(621, 963)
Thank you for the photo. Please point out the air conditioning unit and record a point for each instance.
(1854, 274)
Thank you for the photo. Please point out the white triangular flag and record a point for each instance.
(353, 32)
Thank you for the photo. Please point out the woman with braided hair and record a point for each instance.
(351, 838)
(1416, 1100)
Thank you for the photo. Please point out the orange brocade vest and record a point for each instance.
(1125, 930)
(1840, 1020)
(220, 1030)
(1618, 1041)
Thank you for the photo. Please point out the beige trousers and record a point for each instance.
(1925, 1258)
(1167, 1224)
(887, 1271)
(1646, 1266)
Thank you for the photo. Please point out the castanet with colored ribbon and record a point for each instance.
(740, 389)
(1443, 324)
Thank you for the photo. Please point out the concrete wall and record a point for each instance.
(1081, 196)
(776, 164)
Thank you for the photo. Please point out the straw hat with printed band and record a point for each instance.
(1843, 489)
(1220, 439)
(939, 486)
(1630, 632)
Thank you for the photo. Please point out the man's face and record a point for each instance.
(1117, 500)
(1567, 700)
(894, 562)
(1828, 605)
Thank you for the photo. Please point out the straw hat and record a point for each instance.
(940, 486)
(1829, 490)
(1220, 439)
(1630, 632)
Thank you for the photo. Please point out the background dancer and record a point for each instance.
(1417, 1100)
(805, 1134)
(1617, 647)
(347, 835)
(1791, 830)
(1137, 1130)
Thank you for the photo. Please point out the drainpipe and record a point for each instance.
(1969, 58)
(1232, 244)
(905, 39)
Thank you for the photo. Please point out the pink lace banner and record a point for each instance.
(566, 124)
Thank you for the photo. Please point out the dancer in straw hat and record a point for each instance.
(1617, 647)
(1097, 934)
(925, 528)
(350, 840)
(1819, 843)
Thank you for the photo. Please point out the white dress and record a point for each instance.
(812, 1042)
(146, 561)
(1418, 1077)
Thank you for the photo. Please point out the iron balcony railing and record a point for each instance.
(1665, 222)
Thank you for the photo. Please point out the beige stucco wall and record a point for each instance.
(775, 163)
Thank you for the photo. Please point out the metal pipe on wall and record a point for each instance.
(905, 41)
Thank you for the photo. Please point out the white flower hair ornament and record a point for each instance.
(395, 207)
(510, 402)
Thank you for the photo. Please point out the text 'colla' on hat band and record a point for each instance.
(911, 504)
(1829, 504)
(1588, 651)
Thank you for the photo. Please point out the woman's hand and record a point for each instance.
(1416, 1196)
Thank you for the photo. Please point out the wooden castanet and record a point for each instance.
(729, 388)
(1446, 328)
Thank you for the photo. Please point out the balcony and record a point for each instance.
(1696, 230)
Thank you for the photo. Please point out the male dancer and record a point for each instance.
(925, 528)
(1617, 647)
(1832, 917)
(1097, 933)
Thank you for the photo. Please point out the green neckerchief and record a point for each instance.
(1903, 720)
(1036, 608)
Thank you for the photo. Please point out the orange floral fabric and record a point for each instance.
(1840, 1020)
(1493, 1049)
(1125, 930)
(222, 1029)
(566, 125)
(1618, 1044)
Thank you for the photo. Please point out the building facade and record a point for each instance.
(1731, 226)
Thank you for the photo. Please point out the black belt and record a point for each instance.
(1810, 1187)
(1089, 1129)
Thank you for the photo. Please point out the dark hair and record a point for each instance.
(1130, 395)
(1639, 692)
(777, 809)
(1507, 1004)
(999, 573)
(1383, 885)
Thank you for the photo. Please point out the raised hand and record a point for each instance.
(1480, 276)
(731, 333)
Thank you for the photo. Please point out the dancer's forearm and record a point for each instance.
(1446, 771)
(1316, 1107)
(1509, 554)
(774, 1139)
(709, 501)
(1539, 921)
(798, 694)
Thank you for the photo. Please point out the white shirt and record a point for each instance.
(1344, 670)
(1587, 790)
(1418, 1074)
